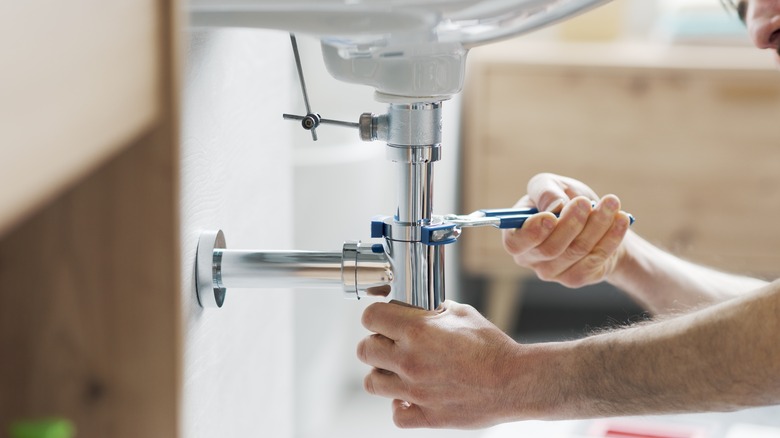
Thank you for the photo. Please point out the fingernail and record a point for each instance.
(548, 224)
(555, 206)
(625, 223)
(584, 206)
(611, 205)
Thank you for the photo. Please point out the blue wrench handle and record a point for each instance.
(499, 212)
(516, 221)
(515, 218)
(510, 217)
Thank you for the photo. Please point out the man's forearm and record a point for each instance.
(666, 284)
(721, 358)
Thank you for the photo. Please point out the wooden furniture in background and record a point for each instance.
(89, 252)
(685, 136)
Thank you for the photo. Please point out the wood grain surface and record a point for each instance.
(90, 321)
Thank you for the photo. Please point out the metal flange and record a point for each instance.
(206, 284)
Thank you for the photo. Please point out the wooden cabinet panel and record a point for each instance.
(80, 80)
(688, 140)
(90, 325)
(90, 321)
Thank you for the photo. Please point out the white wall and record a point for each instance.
(339, 186)
(237, 176)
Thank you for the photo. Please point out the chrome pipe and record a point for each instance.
(277, 269)
(359, 270)
(435, 276)
(413, 145)
(366, 271)
(414, 192)
(419, 273)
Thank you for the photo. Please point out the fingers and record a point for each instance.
(597, 263)
(394, 325)
(597, 225)
(422, 367)
(377, 351)
(549, 192)
(571, 223)
(543, 236)
(406, 414)
(385, 384)
(389, 319)
(576, 250)
(535, 230)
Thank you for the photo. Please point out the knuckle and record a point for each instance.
(368, 384)
(598, 266)
(414, 331)
(578, 249)
(511, 245)
(401, 421)
(596, 261)
(589, 270)
(547, 252)
(466, 310)
(598, 256)
(545, 274)
(368, 316)
(410, 367)
(419, 395)
(407, 367)
(602, 219)
(459, 309)
(573, 279)
(540, 177)
(520, 261)
(362, 353)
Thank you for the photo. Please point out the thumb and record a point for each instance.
(547, 192)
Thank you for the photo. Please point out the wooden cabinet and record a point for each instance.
(89, 253)
(685, 136)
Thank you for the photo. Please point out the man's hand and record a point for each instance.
(452, 368)
(582, 246)
(448, 368)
